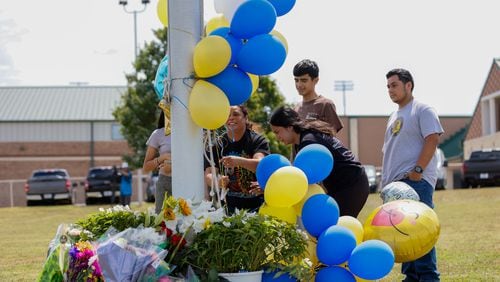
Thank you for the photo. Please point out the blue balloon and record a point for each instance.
(335, 245)
(235, 83)
(252, 18)
(262, 54)
(316, 161)
(318, 213)
(234, 42)
(267, 166)
(269, 277)
(371, 260)
(282, 6)
(161, 75)
(334, 273)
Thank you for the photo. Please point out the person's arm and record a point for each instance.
(250, 164)
(428, 150)
(332, 118)
(150, 161)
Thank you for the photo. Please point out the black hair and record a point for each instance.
(244, 110)
(161, 120)
(403, 75)
(306, 66)
(285, 116)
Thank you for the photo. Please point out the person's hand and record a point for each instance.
(230, 161)
(255, 188)
(414, 176)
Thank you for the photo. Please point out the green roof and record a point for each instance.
(453, 146)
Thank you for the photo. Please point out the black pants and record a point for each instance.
(350, 195)
(236, 200)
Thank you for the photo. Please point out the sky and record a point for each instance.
(447, 45)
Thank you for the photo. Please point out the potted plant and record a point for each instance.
(248, 242)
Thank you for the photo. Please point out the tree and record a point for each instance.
(260, 106)
(138, 111)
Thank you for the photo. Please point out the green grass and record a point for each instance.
(468, 247)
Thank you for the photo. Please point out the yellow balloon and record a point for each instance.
(255, 81)
(208, 105)
(354, 225)
(162, 11)
(211, 56)
(313, 189)
(285, 187)
(281, 38)
(411, 228)
(216, 22)
(286, 214)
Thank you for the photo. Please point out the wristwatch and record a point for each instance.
(418, 169)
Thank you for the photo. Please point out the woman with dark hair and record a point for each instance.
(347, 183)
(236, 155)
(158, 157)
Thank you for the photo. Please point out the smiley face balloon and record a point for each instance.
(411, 228)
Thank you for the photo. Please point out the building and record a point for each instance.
(68, 127)
(484, 130)
(73, 127)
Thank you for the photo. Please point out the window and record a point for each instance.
(116, 132)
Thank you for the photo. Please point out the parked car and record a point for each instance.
(373, 177)
(151, 187)
(48, 184)
(103, 181)
(442, 163)
(482, 168)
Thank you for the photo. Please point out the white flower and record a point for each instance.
(172, 224)
(74, 232)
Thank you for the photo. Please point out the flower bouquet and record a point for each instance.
(83, 264)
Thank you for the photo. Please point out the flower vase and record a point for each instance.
(252, 276)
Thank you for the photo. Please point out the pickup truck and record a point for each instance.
(48, 184)
(482, 169)
(103, 181)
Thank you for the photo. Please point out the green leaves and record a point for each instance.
(246, 242)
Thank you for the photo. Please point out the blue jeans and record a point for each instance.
(424, 268)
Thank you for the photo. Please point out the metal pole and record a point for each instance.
(134, 12)
(344, 85)
(135, 36)
(184, 31)
(343, 99)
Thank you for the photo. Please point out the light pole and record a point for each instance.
(344, 85)
(135, 12)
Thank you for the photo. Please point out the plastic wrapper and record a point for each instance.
(57, 262)
(133, 255)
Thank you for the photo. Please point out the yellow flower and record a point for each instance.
(207, 223)
(184, 207)
(168, 214)
(83, 245)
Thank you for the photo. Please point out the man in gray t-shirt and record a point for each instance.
(411, 138)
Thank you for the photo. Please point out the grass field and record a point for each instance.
(468, 248)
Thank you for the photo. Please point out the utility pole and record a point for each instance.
(344, 85)
(134, 12)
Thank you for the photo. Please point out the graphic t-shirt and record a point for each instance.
(250, 144)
